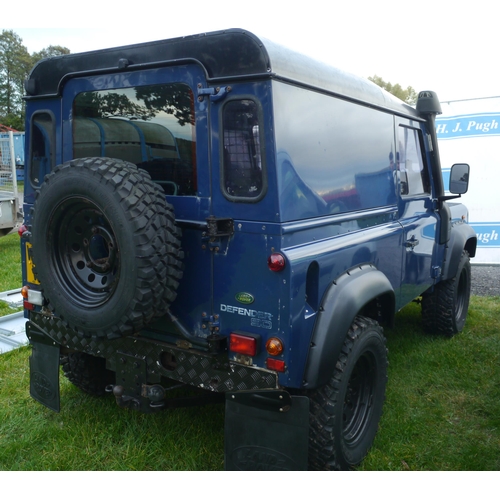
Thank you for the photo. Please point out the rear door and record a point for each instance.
(245, 210)
(154, 119)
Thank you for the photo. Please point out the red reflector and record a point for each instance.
(28, 305)
(22, 230)
(277, 365)
(276, 262)
(242, 344)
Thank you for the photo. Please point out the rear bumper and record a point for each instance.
(212, 372)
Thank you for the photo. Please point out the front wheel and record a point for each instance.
(444, 310)
(345, 413)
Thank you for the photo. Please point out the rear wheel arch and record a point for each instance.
(362, 290)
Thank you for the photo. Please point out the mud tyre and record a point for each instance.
(444, 310)
(173, 257)
(345, 413)
(103, 250)
(87, 372)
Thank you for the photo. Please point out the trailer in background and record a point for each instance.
(469, 132)
(10, 206)
(18, 138)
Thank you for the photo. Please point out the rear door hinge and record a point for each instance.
(217, 234)
(215, 93)
(219, 227)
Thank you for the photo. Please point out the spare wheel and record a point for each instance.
(99, 245)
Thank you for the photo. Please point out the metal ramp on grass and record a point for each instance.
(12, 326)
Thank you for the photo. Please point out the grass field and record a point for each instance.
(10, 267)
(442, 408)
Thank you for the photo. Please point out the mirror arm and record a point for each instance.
(446, 198)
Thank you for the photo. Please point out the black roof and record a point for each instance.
(224, 55)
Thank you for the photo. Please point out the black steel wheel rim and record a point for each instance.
(85, 252)
(358, 400)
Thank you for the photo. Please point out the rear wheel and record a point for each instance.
(345, 413)
(444, 310)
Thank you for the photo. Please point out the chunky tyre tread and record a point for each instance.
(173, 256)
(87, 372)
(444, 309)
(326, 423)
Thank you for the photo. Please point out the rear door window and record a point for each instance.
(152, 126)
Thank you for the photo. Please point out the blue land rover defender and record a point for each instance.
(220, 212)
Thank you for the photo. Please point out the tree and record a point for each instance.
(15, 63)
(12, 120)
(50, 51)
(408, 95)
(149, 101)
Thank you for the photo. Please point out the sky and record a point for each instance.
(447, 46)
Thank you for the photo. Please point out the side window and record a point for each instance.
(413, 172)
(242, 176)
(41, 147)
(334, 156)
(152, 126)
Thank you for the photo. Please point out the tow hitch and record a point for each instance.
(154, 398)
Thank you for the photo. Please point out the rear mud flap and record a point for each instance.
(44, 371)
(266, 430)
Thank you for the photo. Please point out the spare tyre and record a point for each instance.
(99, 245)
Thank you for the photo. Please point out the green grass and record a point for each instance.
(442, 409)
(94, 434)
(10, 262)
(10, 268)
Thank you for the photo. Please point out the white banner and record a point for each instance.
(469, 132)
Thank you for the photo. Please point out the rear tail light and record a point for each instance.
(22, 229)
(276, 262)
(242, 344)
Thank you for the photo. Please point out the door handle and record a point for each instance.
(412, 242)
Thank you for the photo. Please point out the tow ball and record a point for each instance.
(152, 398)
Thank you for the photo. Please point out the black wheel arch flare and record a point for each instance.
(346, 297)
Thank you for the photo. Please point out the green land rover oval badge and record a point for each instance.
(244, 298)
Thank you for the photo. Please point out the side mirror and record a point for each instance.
(459, 178)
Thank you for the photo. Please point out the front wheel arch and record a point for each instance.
(444, 309)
